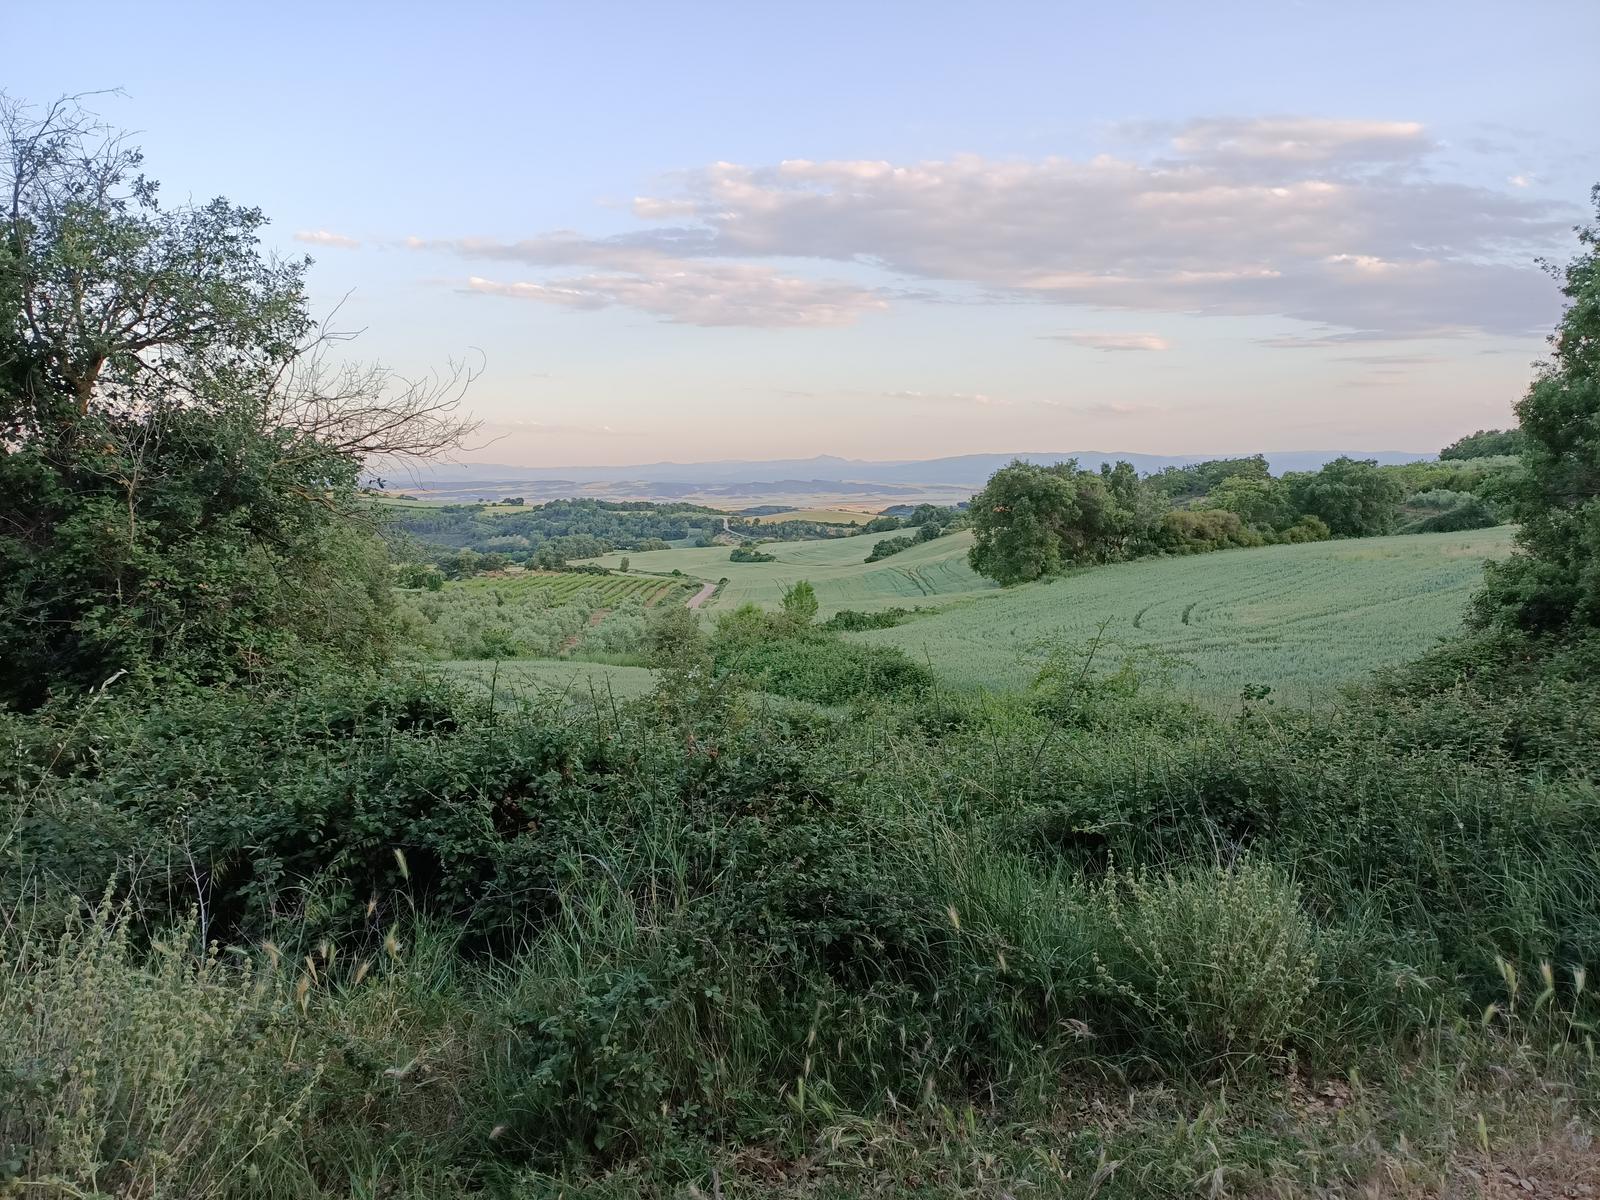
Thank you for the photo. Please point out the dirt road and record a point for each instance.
(704, 594)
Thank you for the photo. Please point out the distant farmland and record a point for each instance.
(1300, 619)
(928, 573)
(834, 516)
(561, 587)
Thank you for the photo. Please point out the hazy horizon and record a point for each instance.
(894, 232)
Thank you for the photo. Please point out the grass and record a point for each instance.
(836, 567)
(1299, 619)
(551, 677)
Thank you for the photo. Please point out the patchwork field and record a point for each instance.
(562, 586)
(1300, 619)
(836, 516)
(929, 573)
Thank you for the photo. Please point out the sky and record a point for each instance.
(696, 231)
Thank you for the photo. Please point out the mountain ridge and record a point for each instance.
(952, 470)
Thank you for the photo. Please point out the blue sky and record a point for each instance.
(893, 230)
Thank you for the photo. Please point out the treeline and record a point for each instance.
(1034, 521)
(571, 529)
(580, 528)
(929, 520)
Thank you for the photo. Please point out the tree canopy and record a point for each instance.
(1486, 443)
(1553, 585)
(178, 452)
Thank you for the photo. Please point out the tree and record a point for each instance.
(1351, 496)
(800, 603)
(1259, 501)
(1031, 521)
(179, 454)
(1486, 443)
(1553, 583)
(1016, 522)
(623, 565)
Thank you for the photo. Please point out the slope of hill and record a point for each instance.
(1299, 619)
(928, 573)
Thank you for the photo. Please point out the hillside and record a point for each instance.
(1300, 619)
(928, 573)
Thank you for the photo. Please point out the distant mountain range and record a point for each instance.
(828, 471)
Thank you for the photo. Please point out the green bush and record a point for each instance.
(128, 1072)
(849, 620)
(1200, 530)
(1209, 965)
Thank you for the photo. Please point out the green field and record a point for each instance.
(1300, 619)
(928, 573)
(562, 586)
(537, 677)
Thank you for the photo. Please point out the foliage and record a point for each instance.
(886, 547)
(799, 603)
(1204, 478)
(1553, 584)
(1197, 531)
(1485, 443)
(177, 466)
(1258, 500)
(1214, 965)
(1031, 521)
(133, 1070)
(745, 554)
(1353, 498)
(848, 620)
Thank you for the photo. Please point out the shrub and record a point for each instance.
(1307, 529)
(824, 670)
(887, 547)
(133, 1077)
(849, 620)
(1200, 530)
(1208, 966)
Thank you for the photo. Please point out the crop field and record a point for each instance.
(563, 586)
(835, 516)
(1300, 619)
(930, 573)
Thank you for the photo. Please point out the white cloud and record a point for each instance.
(323, 237)
(700, 294)
(1112, 341)
(1300, 139)
(1519, 181)
(963, 399)
(1346, 224)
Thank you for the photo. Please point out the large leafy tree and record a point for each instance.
(1349, 495)
(178, 460)
(1553, 584)
(1030, 522)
